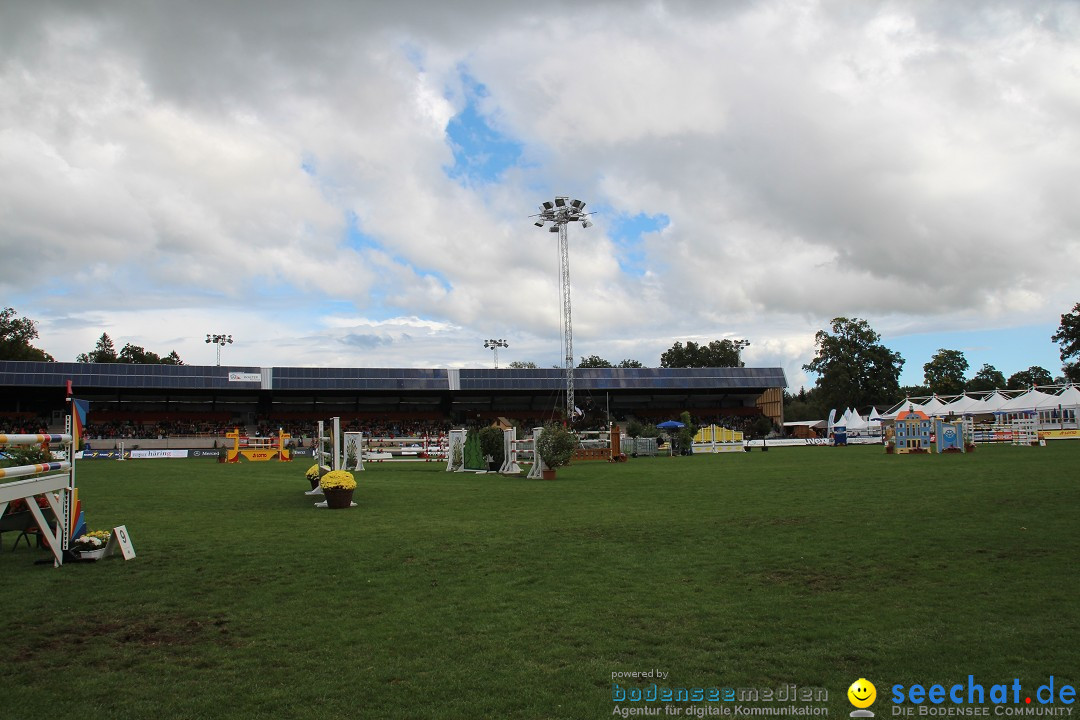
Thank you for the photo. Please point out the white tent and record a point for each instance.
(994, 402)
(966, 405)
(933, 407)
(1069, 397)
(1028, 401)
(855, 422)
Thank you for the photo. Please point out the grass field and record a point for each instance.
(476, 596)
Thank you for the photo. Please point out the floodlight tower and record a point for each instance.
(219, 340)
(740, 345)
(495, 345)
(559, 212)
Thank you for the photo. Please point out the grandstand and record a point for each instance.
(150, 402)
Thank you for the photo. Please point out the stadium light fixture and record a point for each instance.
(560, 212)
(494, 345)
(219, 340)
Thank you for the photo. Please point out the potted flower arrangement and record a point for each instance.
(90, 546)
(338, 487)
(314, 473)
(555, 446)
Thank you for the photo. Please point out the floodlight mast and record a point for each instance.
(495, 345)
(220, 341)
(560, 212)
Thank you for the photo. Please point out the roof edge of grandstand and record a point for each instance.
(18, 373)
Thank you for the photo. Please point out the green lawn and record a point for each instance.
(477, 596)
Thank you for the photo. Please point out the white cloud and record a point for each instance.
(911, 163)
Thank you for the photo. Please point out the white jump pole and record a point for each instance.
(536, 472)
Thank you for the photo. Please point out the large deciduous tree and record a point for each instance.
(987, 378)
(15, 336)
(718, 353)
(594, 361)
(944, 374)
(1068, 337)
(853, 367)
(522, 365)
(1034, 375)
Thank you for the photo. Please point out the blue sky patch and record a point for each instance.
(627, 231)
(481, 153)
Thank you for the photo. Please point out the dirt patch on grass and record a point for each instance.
(147, 632)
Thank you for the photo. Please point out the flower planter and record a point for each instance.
(547, 474)
(314, 482)
(336, 498)
(90, 554)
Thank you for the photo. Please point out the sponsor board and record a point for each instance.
(98, 455)
(155, 454)
(203, 453)
(245, 377)
(1060, 434)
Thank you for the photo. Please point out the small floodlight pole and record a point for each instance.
(740, 345)
(495, 345)
(560, 212)
(219, 340)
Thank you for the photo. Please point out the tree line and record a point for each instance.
(18, 333)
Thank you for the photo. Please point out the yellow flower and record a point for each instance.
(338, 480)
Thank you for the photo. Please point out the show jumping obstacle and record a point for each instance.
(258, 449)
(57, 490)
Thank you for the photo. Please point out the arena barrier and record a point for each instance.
(716, 439)
(57, 490)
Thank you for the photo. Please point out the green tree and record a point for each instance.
(138, 355)
(104, 352)
(803, 405)
(686, 433)
(1068, 337)
(594, 361)
(630, 364)
(1034, 375)
(988, 378)
(173, 358)
(718, 353)
(853, 367)
(15, 336)
(522, 365)
(944, 374)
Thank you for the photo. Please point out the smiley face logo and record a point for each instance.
(862, 693)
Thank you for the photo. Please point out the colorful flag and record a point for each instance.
(79, 409)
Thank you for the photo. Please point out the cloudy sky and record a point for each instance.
(344, 183)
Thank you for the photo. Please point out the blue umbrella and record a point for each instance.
(670, 425)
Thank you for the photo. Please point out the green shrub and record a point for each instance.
(491, 443)
(556, 445)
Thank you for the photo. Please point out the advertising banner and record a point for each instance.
(154, 454)
(1060, 434)
(98, 455)
(245, 377)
